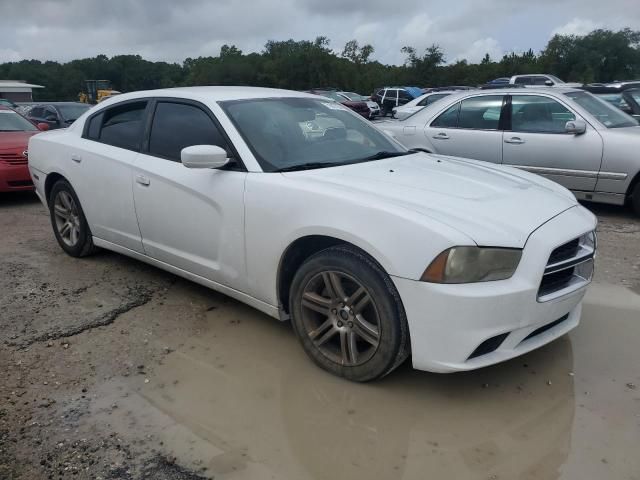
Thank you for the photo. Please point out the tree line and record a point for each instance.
(600, 56)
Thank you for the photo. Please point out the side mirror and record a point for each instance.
(549, 83)
(43, 126)
(203, 156)
(576, 127)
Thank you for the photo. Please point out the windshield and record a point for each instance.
(72, 112)
(11, 121)
(287, 132)
(606, 114)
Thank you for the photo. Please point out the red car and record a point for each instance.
(360, 108)
(15, 131)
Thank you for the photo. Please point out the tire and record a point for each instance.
(635, 199)
(348, 314)
(68, 221)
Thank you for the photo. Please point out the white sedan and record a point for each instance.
(300, 208)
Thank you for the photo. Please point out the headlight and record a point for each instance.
(472, 264)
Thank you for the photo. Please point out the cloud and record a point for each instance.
(173, 30)
(478, 49)
(577, 26)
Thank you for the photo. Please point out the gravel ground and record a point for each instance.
(113, 369)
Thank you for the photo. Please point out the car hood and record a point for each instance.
(491, 204)
(15, 140)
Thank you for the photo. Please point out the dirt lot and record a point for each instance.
(112, 369)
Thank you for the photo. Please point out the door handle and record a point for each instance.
(76, 158)
(142, 180)
(441, 136)
(514, 140)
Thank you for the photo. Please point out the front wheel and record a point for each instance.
(348, 315)
(68, 221)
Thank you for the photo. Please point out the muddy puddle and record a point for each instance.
(240, 400)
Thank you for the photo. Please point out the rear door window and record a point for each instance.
(481, 113)
(177, 125)
(122, 125)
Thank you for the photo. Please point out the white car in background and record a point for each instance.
(565, 134)
(372, 251)
(417, 104)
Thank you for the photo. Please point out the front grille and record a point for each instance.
(570, 266)
(13, 158)
(565, 252)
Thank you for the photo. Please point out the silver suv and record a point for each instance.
(564, 134)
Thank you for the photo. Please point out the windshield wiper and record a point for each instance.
(309, 166)
(385, 154)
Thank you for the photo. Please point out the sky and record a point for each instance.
(172, 30)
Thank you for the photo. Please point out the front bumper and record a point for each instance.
(14, 178)
(449, 323)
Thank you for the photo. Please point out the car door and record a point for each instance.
(192, 219)
(469, 128)
(100, 165)
(536, 140)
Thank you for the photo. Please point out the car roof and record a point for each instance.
(515, 91)
(212, 93)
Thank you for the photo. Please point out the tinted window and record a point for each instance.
(481, 113)
(523, 81)
(49, 112)
(404, 95)
(176, 126)
(36, 112)
(531, 113)
(122, 125)
(93, 129)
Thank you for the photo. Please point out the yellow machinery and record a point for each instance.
(97, 90)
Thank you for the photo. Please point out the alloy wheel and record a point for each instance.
(66, 217)
(340, 318)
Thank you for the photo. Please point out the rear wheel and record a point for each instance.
(348, 315)
(68, 221)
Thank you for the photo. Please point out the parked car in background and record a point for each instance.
(536, 80)
(8, 103)
(57, 114)
(497, 82)
(15, 131)
(349, 235)
(391, 97)
(374, 108)
(449, 88)
(623, 95)
(418, 104)
(567, 135)
(358, 106)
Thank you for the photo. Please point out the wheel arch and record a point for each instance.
(295, 255)
(632, 185)
(50, 181)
